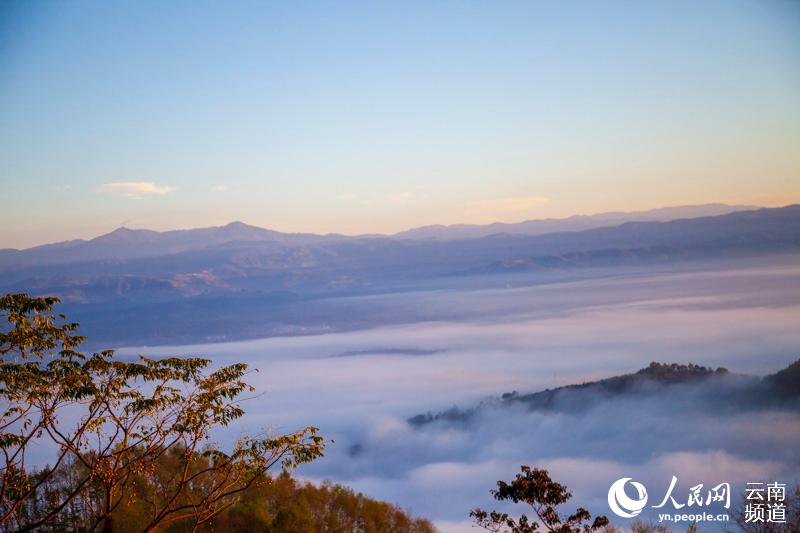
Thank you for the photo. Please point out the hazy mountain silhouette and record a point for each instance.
(239, 257)
(573, 223)
(191, 282)
(246, 246)
(124, 243)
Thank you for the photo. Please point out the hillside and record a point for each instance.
(283, 505)
(729, 390)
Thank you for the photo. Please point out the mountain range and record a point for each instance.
(573, 223)
(124, 243)
(166, 280)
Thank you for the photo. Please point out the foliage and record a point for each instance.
(122, 432)
(273, 505)
(535, 488)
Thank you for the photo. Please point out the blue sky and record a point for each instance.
(364, 117)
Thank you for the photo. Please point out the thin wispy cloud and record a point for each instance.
(135, 190)
(219, 188)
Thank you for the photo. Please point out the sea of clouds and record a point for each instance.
(361, 387)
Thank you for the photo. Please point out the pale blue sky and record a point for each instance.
(373, 116)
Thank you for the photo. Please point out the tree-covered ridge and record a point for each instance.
(780, 390)
(279, 504)
(288, 505)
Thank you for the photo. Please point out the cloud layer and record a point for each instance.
(360, 387)
(135, 190)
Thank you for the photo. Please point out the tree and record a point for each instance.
(290, 506)
(535, 488)
(121, 431)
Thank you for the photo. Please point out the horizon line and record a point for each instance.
(739, 207)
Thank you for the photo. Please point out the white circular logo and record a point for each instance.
(621, 504)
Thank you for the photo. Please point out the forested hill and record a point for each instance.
(708, 387)
(285, 505)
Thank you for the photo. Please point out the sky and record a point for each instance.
(357, 117)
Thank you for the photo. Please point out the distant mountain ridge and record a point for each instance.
(212, 273)
(125, 243)
(242, 257)
(573, 223)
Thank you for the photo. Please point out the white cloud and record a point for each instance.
(135, 190)
(219, 188)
